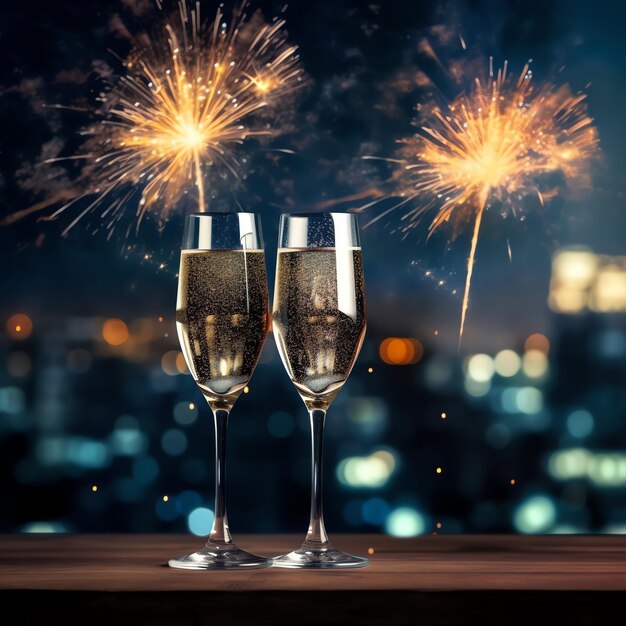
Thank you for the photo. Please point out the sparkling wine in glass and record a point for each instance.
(222, 321)
(319, 326)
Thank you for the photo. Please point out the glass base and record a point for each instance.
(213, 556)
(319, 559)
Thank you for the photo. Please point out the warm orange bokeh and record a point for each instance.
(401, 351)
(115, 332)
(19, 326)
(537, 341)
(181, 365)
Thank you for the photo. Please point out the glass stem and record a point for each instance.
(220, 533)
(316, 537)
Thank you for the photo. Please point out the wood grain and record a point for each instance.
(479, 577)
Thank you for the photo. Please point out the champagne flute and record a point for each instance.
(319, 326)
(222, 321)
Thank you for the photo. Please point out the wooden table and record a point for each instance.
(115, 579)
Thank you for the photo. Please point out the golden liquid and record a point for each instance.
(222, 319)
(319, 318)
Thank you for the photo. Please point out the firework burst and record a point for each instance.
(190, 94)
(492, 145)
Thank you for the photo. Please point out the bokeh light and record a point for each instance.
(181, 364)
(537, 341)
(507, 363)
(19, 326)
(401, 351)
(367, 472)
(200, 521)
(170, 362)
(405, 521)
(115, 332)
(536, 514)
(535, 363)
(527, 400)
(480, 368)
(44, 528)
(580, 424)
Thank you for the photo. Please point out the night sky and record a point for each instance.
(354, 54)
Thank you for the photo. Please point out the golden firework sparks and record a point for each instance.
(189, 96)
(492, 145)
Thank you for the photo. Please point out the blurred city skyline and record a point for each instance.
(78, 411)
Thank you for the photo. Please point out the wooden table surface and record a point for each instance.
(444, 579)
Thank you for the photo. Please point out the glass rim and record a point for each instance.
(223, 231)
(318, 214)
(219, 213)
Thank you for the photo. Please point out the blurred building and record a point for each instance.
(102, 428)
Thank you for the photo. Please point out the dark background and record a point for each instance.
(76, 412)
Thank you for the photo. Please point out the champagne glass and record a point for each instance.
(222, 321)
(319, 326)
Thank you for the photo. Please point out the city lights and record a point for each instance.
(77, 451)
(115, 332)
(514, 383)
(181, 364)
(608, 293)
(602, 469)
(528, 400)
(19, 326)
(535, 363)
(126, 438)
(401, 351)
(537, 341)
(44, 528)
(480, 368)
(583, 280)
(580, 424)
(536, 514)
(199, 521)
(405, 521)
(368, 472)
(170, 362)
(507, 363)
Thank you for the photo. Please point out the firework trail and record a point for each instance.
(192, 91)
(492, 145)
